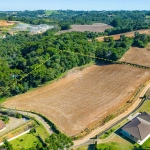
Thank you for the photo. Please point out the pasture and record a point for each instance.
(80, 99)
(96, 27)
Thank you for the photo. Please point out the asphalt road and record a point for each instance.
(41, 120)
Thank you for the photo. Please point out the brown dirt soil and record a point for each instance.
(96, 27)
(137, 55)
(4, 23)
(83, 97)
(128, 34)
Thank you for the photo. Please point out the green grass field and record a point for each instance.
(82, 148)
(26, 141)
(49, 12)
(30, 140)
(145, 107)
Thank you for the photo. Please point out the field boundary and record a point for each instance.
(111, 116)
(94, 57)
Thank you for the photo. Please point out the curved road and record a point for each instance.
(41, 120)
(87, 139)
(111, 122)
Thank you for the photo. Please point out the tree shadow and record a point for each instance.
(102, 63)
(91, 147)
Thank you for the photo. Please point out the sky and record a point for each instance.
(16, 5)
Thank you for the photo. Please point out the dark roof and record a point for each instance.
(2, 124)
(139, 127)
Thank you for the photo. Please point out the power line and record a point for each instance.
(76, 53)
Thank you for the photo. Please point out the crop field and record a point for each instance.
(96, 27)
(4, 23)
(128, 34)
(80, 99)
(137, 55)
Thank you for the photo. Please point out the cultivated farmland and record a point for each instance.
(137, 55)
(83, 97)
(4, 23)
(96, 27)
(128, 34)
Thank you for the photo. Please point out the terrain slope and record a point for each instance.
(81, 98)
(128, 34)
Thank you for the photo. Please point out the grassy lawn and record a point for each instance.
(49, 12)
(26, 141)
(146, 144)
(117, 143)
(30, 140)
(42, 132)
(113, 129)
(82, 148)
(145, 107)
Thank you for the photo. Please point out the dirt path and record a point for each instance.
(110, 123)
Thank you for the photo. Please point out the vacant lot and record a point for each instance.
(83, 97)
(97, 27)
(136, 55)
(4, 23)
(128, 34)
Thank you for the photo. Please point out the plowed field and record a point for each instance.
(4, 23)
(136, 55)
(96, 27)
(128, 34)
(83, 97)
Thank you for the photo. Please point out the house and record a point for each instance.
(2, 126)
(138, 129)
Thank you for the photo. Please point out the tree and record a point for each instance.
(7, 144)
(65, 26)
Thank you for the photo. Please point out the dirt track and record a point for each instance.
(83, 97)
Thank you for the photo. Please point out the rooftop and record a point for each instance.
(139, 127)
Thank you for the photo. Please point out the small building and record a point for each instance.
(138, 129)
(2, 126)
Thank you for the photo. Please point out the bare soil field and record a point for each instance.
(96, 27)
(4, 23)
(81, 98)
(137, 55)
(128, 34)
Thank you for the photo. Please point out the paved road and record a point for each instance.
(41, 120)
(87, 138)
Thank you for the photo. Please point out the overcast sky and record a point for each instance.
(74, 4)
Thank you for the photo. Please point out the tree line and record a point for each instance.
(21, 54)
(122, 21)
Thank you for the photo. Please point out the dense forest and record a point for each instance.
(122, 21)
(28, 61)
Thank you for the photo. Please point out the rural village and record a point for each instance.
(74, 80)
